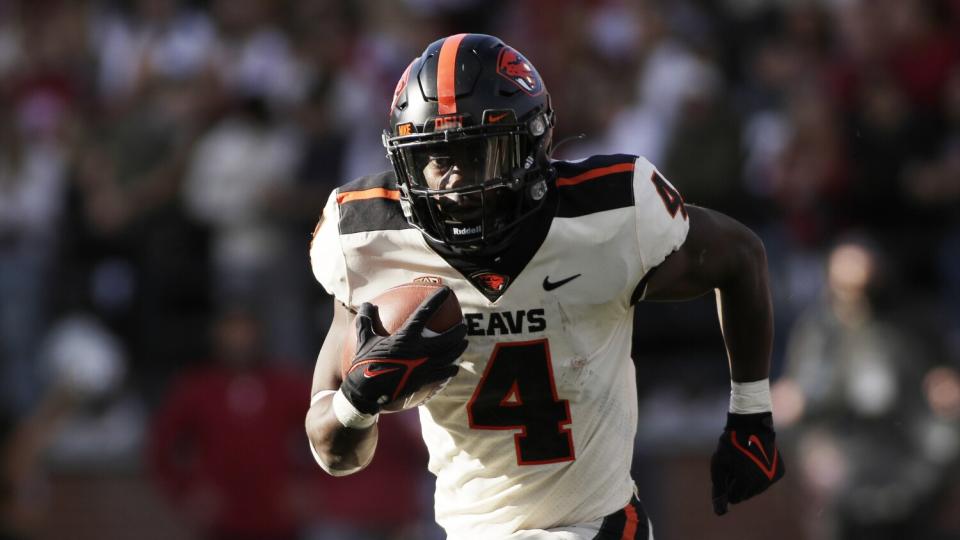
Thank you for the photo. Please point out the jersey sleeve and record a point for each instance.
(326, 253)
(662, 222)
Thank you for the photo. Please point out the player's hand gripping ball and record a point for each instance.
(406, 347)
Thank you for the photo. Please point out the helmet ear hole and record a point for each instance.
(538, 126)
(538, 190)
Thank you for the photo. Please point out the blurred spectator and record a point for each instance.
(253, 57)
(105, 429)
(232, 174)
(873, 439)
(811, 181)
(155, 39)
(85, 420)
(227, 445)
(31, 199)
(319, 169)
(671, 75)
(129, 253)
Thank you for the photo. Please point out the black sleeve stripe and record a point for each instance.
(370, 204)
(596, 184)
(573, 168)
(379, 214)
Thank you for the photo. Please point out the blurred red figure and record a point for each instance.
(227, 444)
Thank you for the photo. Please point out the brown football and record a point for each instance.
(394, 306)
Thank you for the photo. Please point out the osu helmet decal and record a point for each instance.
(516, 68)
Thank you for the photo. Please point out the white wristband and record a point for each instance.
(320, 395)
(349, 416)
(750, 397)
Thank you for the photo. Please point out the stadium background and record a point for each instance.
(163, 162)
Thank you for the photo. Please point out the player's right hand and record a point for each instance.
(387, 368)
(746, 461)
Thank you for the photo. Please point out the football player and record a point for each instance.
(532, 436)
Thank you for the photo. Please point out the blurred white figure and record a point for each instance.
(232, 170)
(105, 427)
(234, 176)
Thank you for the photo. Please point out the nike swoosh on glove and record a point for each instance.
(387, 368)
(747, 460)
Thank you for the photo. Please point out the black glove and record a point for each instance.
(387, 368)
(746, 461)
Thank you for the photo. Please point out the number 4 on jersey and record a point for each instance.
(517, 391)
(671, 197)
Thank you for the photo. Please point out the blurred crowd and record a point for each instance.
(163, 162)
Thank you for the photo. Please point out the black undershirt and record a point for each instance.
(508, 263)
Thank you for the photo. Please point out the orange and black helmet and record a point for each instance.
(470, 134)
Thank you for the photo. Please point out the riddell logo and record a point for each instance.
(466, 230)
(432, 280)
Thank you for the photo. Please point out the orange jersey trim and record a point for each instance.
(446, 75)
(630, 529)
(373, 193)
(595, 173)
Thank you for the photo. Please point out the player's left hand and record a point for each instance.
(746, 462)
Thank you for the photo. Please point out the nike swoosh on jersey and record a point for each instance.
(494, 118)
(551, 285)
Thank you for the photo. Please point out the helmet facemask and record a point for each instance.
(468, 188)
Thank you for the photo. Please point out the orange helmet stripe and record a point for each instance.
(446, 75)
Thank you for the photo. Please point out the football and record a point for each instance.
(394, 306)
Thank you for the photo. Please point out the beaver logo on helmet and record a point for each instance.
(401, 86)
(513, 66)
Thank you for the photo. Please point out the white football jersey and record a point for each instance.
(537, 429)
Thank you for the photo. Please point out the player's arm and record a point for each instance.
(341, 422)
(722, 255)
(719, 254)
(338, 449)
